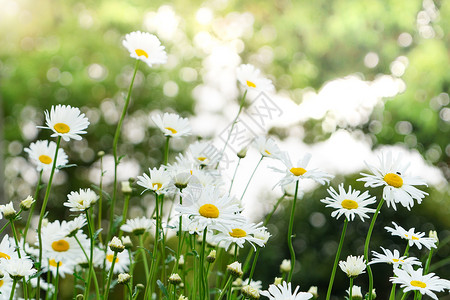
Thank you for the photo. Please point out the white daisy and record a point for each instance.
(414, 280)
(349, 203)
(399, 187)
(19, 267)
(238, 235)
(137, 226)
(267, 146)
(200, 154)
(172, 125)
(8, 210)
(353, 266)
(250, 78)
(7, 251)
(5, 287)
(146, 47)
(356, 292)
(122, 261)
(82, 200)
(393, 258)
(254, 284)
(294, 173)
(208, 207)
(414, 238)
(42, 153)
(76, 224)
(66, 121)
(62, 267)
(158, 180)
(283, 292)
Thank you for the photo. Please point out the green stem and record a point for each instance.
(166, 150)
(55, 295)
(91, 258)
(392, 295)
(110, 275)
(130, 257)
(427, 266)
(4, 227)
(225, 288)
(366, 247)
(253, 265)
(30, 213)
(11, 297)
(289, 237)
(155, 253)
(116, 159)
(351, 289)
(100, 200)
(405, 295)
(125, 212)
(266, 221)
(254, 171)
(16, 240)
(144, 255)
(234, 175)
(336, 259)
(406, 249)
(41, 215)
(130, 293)
(202, 264)
(180, 239)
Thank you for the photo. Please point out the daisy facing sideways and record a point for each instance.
(283, 291)
(349, 203)
(239, 234)
(399, 187)
(146, 47)
(42, 153)
(393, 258)
(81, 200)
(172, 125)
(414, 238)
(66, 121)
(250, 78)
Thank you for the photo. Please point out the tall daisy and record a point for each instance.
(66, 121)
(267, 146)
(172, 125)
(60, 267)
(283, 291)
(238, 235)
(353, 266)
(393, 258)
(41, 154)
(158, 180)
(200, 153)
(137, 226)
(7, 251)
(81, 200)
(122, 261)
(146, 47)
(399, 187)
(251, 78)
(414, 238)
(349, 203)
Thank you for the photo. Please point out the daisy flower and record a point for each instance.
(137, 226)
(82, 200)
(399, 187)
(5, 287)
(121, 264)
(393, 258)
(349, 203)
(294, 173)
(353, 266)
(60, 267)
(250, 78)
(76, 224)
(414, 280)
(239, 234)
(250, 292)
(266, 146)
(283, 291)
(199, 153)
(356, 292)
(42, 153)
(208, 207)
(66, 121)
(158, 180)
(7, 251)
(19, 267)
(414, 238)
(146, 47)
(172, 125)
(8, 210)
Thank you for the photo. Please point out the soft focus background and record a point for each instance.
(352, 78)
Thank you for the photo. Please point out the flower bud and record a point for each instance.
(278, 280)
(238, 282)
(211, 256)
(140, 286)
(250, 292)
(8, 210)
(433, 234)
(242, 153)
(101, 153)
(183, 298)
(79, 297)
(181, 261)
(127, 242)
(235, 269)
(116, 245)
(126, 187)
(26, 204)
(123, 278)
(313, 291)
(175, 279)
(285, 266)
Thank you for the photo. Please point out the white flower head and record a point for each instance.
(66, 121)
(250, 78)
(137, 226)
(19, 267)
(7, 251)
(285, 266)
(158, 180)
(123, 278)
(146, 47)
(122, 261)
(172, 125)
(356, 292)
(414, 238)
(82, 200)
(26, 203)
(283, 291)
(116, 245)
(349, 203)
(353, 266)
(75, 225)
(202, 153)
(8, 210)
(250, 292)
(399, 187)
(238, 235)
(393, 258)
(267, 146)
(42, 153)
(235, 269)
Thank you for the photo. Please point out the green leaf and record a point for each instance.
(162, 287)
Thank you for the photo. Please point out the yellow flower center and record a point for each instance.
(297, 171)
(140, 52)
(110, 257)
(171, 130)
(209, 211)
(201, 158)
(237, 233)
(45, 159)
(60, 246)
(267, 151)
(395, 260)
(414, 238)
(157, 185)
(53, 263)
(4, 255)
(1, 283)
(251, 84)
(61, 128)
(393, 180)
(349, 204)
(418, 283)
(81, 202)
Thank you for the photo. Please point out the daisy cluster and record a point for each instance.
(192, 219)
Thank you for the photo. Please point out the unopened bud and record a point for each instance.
(116, 245)
(140, 286)
(278, 280)
(26, 204)
(250, 292)
(127, 242)
(285, 266)
(126, 187)
(242, 153)
(235, 269)
(183, 298)
(8, 210)
(175, 279)
(433, 234)
(211, 256)
(101, 153)
(123, 278)
(313, 291)
(181, 261)
(79, 297)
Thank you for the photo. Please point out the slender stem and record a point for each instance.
(110, 275)
(266, 221)
(351, 289)
(427, 264)
(124, 213)
(392, 295)
(247, 261)
(366, 247)
(406, 249)
(153, 269)
(55, 295)
(4, 227)
(130, 257)
(116, 159)
(166, 150)
(144, 255)
(180, 239)
(234, 175)
(225, 288)
(289, 237)
(100, 200)
(130, 293)
(13, 228)
(91, 259)
(41, 216)
(13, 289)
(336, 259)
(30, 213)
(202, 264)
(405, 295)
(248, 183)
(253, 265)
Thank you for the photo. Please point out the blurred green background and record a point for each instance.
(70, 52)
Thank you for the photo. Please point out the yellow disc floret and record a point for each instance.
(1, 283)
(237, 233)
(201, 158)
(297, 171)
(140, 52)
(53, 263)
(171, 130)
(110, 257)
(418, 283)
(251, 84)
(349, 204)
(61, 128)
(393, 180)
(4, 255)
(209, 211)
(60, 246)
(45, 159)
